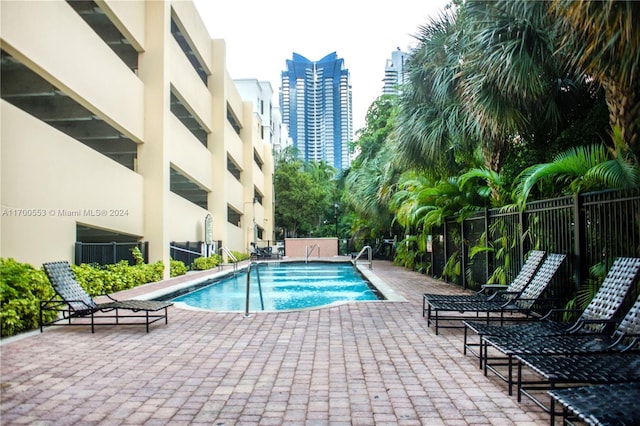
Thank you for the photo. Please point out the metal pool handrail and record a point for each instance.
(231, 256)
(370, 257)
(308, 252)
(257, 265)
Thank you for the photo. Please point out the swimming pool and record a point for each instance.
(285, 286)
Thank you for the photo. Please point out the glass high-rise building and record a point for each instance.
(395, 73)
(315, 101)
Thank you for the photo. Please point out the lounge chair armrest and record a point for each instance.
(501, 293)
(510, 301)
(621, 342)
(506, 293)
(560, 310)
(108, 296)
(579, 325)
(494, 286)
(601, 321)
(66, 302)
(51, 303)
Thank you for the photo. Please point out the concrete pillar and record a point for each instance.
(153, 162)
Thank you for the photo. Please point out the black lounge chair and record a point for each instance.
(560, 371)
(624, 338)
(72, 301)
(258, 253)
(522, 303)
(494, 291)
(601, 311)
(610, 404)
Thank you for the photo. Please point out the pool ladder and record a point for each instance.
(308, 252)
(369, 257)
(257, 268)
(230, 256)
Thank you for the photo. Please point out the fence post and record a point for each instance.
(488, 255)
(78, 256)
(463, 255)
(522, 228)
(145, 251)
(445, 248)
(579, 241)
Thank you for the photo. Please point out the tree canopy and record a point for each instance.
(506, 101)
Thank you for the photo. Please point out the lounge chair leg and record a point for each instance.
(510, 375)
(486, 355)
(464, 347)
(552, 408)
(519, 387)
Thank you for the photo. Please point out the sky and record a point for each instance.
(261, 35)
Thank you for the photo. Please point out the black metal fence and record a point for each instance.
(107, 253)
(592, 229)
(186, 252)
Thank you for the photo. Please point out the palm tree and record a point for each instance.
(371, 180)
(586, 168)
(321, 171)
(432, 129)
(483, 76)
(368, 190)
(602, 39)
(511, 79)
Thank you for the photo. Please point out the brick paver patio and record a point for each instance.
(367, 363)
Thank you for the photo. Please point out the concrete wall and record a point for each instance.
(297, 247)
(51, 183)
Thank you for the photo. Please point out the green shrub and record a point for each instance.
(204, 263)
(240, 255)
(22, 287)
(96, 279)
(177, 267)
(91, 277)
(137, 256)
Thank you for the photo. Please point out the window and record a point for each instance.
(233, 168)
(187, 188)
(257, 159)
(27, 90)
(107, 31)
(234, 217)
(181, 110)
(233, 120)
(257, 196)
(185, 44)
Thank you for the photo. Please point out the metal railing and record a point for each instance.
(308, 252)
(369, 257)
(109, 253)
(186, 252)
(230, 255)
(257, 267)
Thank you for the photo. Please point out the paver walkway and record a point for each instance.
(367, 363)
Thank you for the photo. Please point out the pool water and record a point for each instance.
(285, 286)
